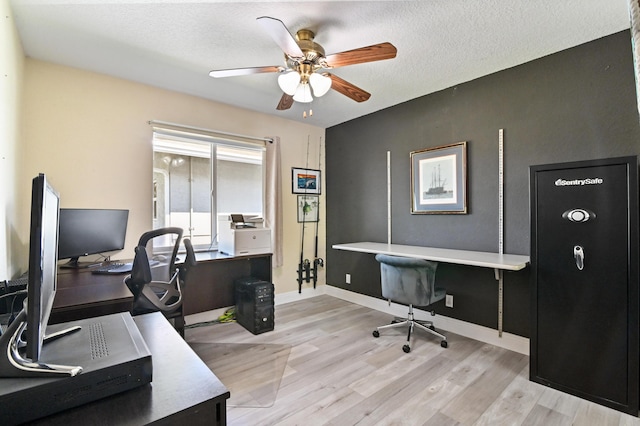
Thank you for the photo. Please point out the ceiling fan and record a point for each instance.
(304, 75)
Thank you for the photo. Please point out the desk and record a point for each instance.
(209, 284)
(81, 294)
(183, 390)
(498, 262)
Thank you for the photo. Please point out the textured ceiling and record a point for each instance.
(174, 44)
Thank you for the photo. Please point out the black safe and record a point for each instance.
(254, 304)
(584, 259)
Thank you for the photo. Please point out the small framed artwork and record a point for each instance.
(307, 208)
(439, 180)
(305, 181)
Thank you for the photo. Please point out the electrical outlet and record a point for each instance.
(448, 301)
(347, 278)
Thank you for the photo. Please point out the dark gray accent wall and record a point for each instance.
(577, 104)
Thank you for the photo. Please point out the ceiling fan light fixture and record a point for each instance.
(289, 81)
(320, 84)
(303, 94)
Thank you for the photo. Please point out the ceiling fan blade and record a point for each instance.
(281, 35)
(244, 71)
(376, 52)
(348, 89)
(285, 102)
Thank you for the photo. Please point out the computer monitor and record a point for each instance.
(90, 231)
(43, 248)
(21, 343)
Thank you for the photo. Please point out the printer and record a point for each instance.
(243, 235)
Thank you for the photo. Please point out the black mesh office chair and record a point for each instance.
(156, 282)
(410, 281)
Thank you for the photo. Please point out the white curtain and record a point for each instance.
(634, 13)
(273, 198)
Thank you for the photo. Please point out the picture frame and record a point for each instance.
(305, 181)
(308, 208)
(439, 180)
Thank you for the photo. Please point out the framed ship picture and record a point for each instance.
(439, 180)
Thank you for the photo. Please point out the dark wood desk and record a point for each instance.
(209, 284)
(183, 390)
(81, 294)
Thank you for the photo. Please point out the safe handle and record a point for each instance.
(578, 255)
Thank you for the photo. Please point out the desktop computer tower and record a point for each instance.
(12, 305)
(254, 304)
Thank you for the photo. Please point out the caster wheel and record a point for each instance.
(406, 348)
(444, 344)
(376, 333)
(432, 328)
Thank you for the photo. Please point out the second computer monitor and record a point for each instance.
(90, 231)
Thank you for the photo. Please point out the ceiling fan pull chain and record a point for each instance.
(304, 113)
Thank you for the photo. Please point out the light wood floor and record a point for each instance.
(338, 374)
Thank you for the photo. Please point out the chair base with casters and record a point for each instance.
(410, 322)
(412, 282)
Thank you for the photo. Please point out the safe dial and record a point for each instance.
(578, 215)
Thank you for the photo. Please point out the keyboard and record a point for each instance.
(114, 268)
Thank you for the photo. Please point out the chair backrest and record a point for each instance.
(154, 279)
(189, 261)
(140, 272)
(408, 280)
(169, 235)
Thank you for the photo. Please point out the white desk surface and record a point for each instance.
(509, 262)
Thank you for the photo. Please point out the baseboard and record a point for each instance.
(473, 331)
(294, 296)
(279, 299)
(206, 316)
(487, 335)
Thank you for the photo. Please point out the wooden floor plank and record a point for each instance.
(514, 404)
(376, 407)
(337, 373)
(478, 396)
(540, 415)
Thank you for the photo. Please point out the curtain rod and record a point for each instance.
(213, 133)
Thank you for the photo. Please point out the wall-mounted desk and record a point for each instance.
(498, 262)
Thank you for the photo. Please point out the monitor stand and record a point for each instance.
(74, 263)
(13, 364)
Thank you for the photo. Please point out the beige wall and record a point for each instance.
(11, 71)
(89, 133)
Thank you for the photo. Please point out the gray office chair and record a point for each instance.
(156, 281)
(412, 282)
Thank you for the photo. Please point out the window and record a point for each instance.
(193, 192)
